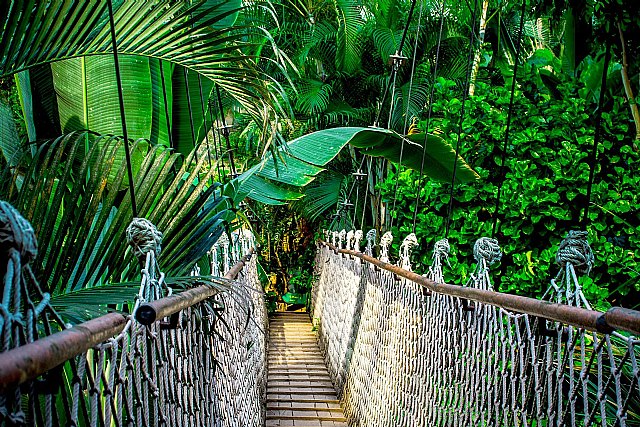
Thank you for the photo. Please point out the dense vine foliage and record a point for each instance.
(544, 191)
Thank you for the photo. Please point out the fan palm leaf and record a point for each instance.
(79, 214)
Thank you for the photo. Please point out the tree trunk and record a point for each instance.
(627, 85)
(476, 59)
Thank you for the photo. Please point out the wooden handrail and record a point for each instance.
(615, 318)
(29, 361)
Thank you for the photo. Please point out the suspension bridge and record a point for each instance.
(381, 346)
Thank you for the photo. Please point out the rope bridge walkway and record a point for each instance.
(400, 349)
(408, 350)
(299, 389)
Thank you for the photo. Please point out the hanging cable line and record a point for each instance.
(429, 111)
(366, 193)
(503, 155)
(396, 58)
(347, 203)
(406, 114)
(219, 158)
(592, 160)
(123, 119)
(204, 118)
(462, 112)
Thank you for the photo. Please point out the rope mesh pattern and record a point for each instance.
(435, 360)
(208, 370)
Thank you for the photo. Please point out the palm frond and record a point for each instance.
(321, 195)
(80, 211)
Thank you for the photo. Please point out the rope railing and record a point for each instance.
(434, 354)
(205, 366)
(615, 318)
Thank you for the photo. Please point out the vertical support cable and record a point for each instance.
(597, 133)
(217, 156)
(127, 155)
(502, 172)
(429, 111)
(395, 66)
(204, 118)
(460, 122)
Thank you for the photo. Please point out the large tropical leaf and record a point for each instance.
(188, 108)
(348, 41)
(195, 37)
(87, 95)
(321, 195)
(302, 159)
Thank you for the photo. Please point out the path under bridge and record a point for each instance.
(381, 346)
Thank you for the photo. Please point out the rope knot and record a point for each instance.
(371, 240)
(341, 236)
(409, 242)
(575, 249)
(144, 237)
(350, 236)
(442, 248)
(487, 249)
(385, 242)
(357, 238)
(16, 233)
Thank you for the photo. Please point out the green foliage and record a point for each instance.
(80, 214)
(544, 191)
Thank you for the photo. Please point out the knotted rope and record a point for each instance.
(487, 249)
(371, 241)
(16, 233)
(409, 242)
(575, 249)
(357, 238)
(442, 249)
(143, 237)
(385, 242)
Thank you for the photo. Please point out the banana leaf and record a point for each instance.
(301, 160)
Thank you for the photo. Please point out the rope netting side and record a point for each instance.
(431, 359)
(206, 366)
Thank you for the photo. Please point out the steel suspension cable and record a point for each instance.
(204, 118)
(394, 68)
(503, 155)
(429, 111)
(366, 193)
(460, 122)
(123, 119)
(406, 114)
(218, 156)
(341, 208)
(597, 133)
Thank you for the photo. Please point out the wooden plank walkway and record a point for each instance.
(299, 390)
